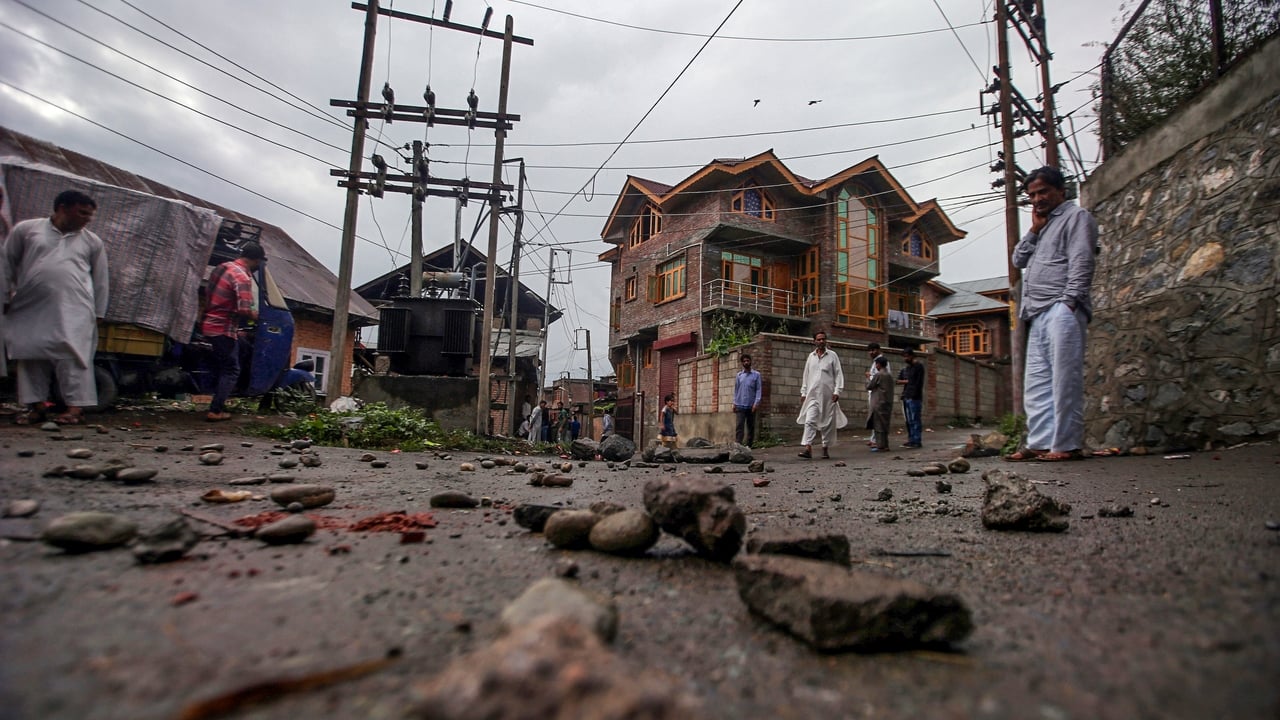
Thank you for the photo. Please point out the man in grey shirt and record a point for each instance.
(1057, 257)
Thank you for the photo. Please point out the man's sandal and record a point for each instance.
(805, 454)
(1025, 454)
(1061, 456)
(69, 419)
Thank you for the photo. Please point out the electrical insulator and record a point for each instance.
(424, 170)
(448, 9)
(472, 102)
(997, 184)
(997, 166)
(380, 182)
(488, 15)
(1029, 6)
(389, 96)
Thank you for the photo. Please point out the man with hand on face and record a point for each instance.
(1057, 258)
(57, 273)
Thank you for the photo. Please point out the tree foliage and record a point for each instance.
(1167, 58)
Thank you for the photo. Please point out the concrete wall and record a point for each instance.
(1184, 349)
(450, 401)
(954, 386)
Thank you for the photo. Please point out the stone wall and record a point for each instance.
(1184, 349)
(955, 386)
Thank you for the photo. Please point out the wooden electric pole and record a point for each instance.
(490, 270)
(1011, 224)
(415, 216)
(513, 295)
(342, 301)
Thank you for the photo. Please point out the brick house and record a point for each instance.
(972, 318)
(308, 287)
(744, 246)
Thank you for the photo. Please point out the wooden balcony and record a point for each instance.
(723, 294)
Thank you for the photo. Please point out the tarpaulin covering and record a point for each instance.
(157, 249)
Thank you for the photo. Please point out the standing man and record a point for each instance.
(606, 424)
(911, 378)
(820, 397)
(880, 403)
(1057, 257)
(535, 421)
(231, 297)
(748, 388)
(873, 352)
(562, 424)
(56, 271)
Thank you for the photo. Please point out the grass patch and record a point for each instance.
(378, 427)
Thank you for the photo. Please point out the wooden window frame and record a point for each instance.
(648, 223)
(630, 285)
(926, 247)
(768, 210)
(805, 282)
(759, 284)
(646, 357)
(626, 374)
(968, 339)
(861, 295)
(615, 314)
(669, 280)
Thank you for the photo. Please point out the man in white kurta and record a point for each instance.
(820, 397)
(57, 274)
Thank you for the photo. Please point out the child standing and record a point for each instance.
(880, 405)
(667, 428)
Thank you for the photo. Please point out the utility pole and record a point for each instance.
(420, 184)
(490, 271)
(546, 319)
(1011, 224)
(513, 296)
(415, 240)
(341, 303)
(591, 389)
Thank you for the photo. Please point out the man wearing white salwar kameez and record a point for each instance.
(820, 397)
(57, 273)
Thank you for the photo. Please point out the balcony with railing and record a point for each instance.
(721, 294)
(903, 324)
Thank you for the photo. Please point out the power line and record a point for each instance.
(738, 37)
(175, 158)
(962, 45)
(201, 113)
(235, 64)
(652, 107)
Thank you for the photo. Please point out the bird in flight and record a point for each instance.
(814, 102)
(755, 102)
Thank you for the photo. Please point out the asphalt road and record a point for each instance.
(1172, 613)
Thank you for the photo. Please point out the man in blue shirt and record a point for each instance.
(748, 388)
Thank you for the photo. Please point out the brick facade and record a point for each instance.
(310, 332)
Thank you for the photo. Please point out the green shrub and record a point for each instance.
(378, 427)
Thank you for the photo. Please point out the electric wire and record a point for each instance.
(177, 159)
(184, 106)
(735, 37)
(964, 47)
(224, 58)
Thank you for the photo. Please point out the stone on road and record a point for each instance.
(310, 496)
(827, 547)
(701, 511)
(1013, 503)
(628, 532)
(838, 609)
(88, 531)
(563, 599)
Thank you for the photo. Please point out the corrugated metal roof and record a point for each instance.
(300, 276)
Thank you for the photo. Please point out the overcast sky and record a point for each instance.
(890, 78)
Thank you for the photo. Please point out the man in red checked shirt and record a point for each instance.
(231, 298)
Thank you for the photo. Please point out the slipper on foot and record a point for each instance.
(1061, 456)
(1025, 455)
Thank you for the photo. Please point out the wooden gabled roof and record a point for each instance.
(720, 172)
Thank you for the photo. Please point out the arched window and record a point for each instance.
(648, 223)
(968, 339)
(753, 201)
(915, 244)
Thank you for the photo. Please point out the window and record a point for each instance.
(615, 314)
(753, 201)
(648, 223)
(647, 356)
(744, 274)
(668, 282)
(626, 374)
(968, 339)
(860, 298)
(915, 245)
(805, 284)
(321, 359)
(630, 293)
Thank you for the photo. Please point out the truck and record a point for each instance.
(159, 252)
